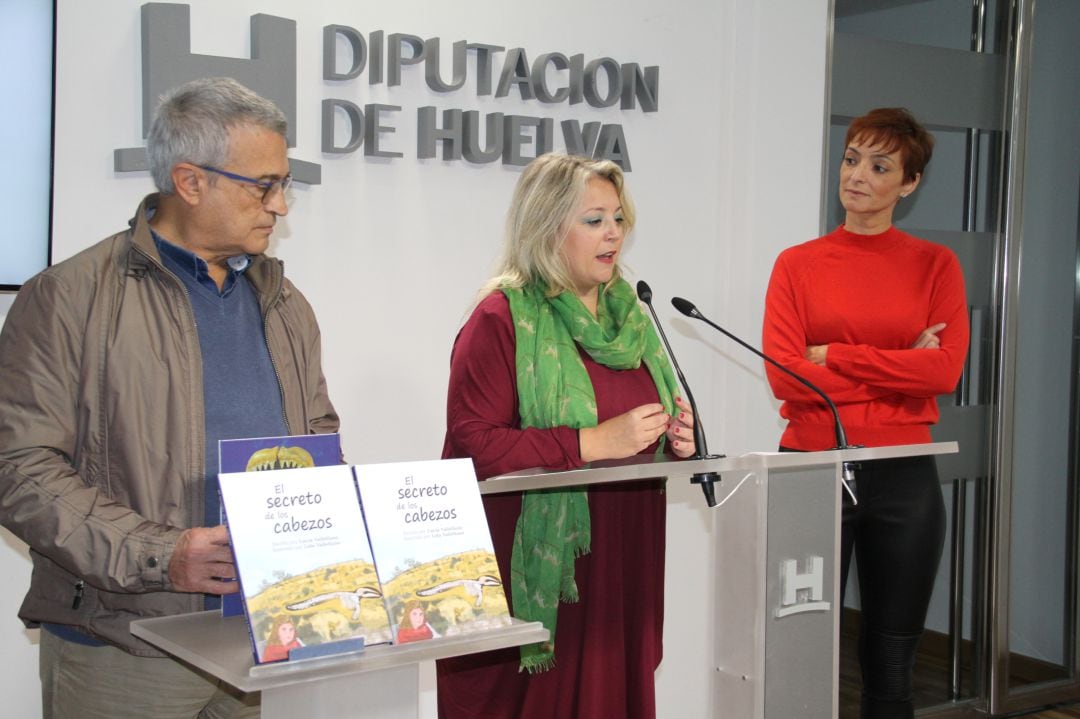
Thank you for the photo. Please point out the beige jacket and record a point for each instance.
(101, 426)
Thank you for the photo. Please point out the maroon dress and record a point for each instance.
(607, 645)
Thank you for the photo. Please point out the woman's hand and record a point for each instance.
(928, 338)
(680, 430)
(625, 435)
(817, 354)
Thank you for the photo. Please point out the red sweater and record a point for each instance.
(410, 634)
(279, 652)
(867, 297)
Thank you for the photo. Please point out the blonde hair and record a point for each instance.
(547, 194)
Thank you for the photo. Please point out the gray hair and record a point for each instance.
(192, 123)
(547, 193)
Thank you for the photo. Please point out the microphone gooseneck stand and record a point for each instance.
(707, 480)
(688, 308)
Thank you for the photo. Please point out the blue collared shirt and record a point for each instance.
(185, 264)
(241, 391)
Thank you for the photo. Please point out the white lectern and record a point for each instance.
(776, 534)
(379, 682)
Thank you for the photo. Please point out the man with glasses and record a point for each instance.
(122, 367)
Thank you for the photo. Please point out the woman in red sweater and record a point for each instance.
(558, 366)
(879, 321)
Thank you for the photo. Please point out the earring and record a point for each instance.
(904, 194)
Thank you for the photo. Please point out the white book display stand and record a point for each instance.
(379, 682)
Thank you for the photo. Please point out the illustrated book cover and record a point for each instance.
(256, 454)
(432, 548)
(306, 571)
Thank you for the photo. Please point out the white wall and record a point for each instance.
(725, 175)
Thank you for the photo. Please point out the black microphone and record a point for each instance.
(687, 308)
(701, 450)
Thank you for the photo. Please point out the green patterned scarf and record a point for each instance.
(554, 390)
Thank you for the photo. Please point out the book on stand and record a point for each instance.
(307, 577)
(432, 548)
(257, 454)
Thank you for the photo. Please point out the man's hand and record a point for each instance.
(202, 562)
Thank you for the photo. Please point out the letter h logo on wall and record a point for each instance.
(167, 61)
(802, 592)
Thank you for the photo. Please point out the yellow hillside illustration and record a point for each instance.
(460, 593)
(327, 604)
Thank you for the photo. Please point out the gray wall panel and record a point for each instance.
(966, 90)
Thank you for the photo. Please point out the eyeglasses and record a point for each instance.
(267, 186)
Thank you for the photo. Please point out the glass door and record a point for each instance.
(1034, 625)
(998, 83)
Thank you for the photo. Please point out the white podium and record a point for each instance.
(776, 535)
(379, 682)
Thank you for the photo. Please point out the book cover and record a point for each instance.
(306, 571)
(432, 548)
(256, 454)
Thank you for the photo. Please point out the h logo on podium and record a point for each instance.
(802, 592)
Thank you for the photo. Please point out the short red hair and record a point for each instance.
(894, 128)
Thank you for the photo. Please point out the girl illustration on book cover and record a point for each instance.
(282, 639)
(413, 626)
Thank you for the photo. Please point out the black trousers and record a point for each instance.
(897, 531)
